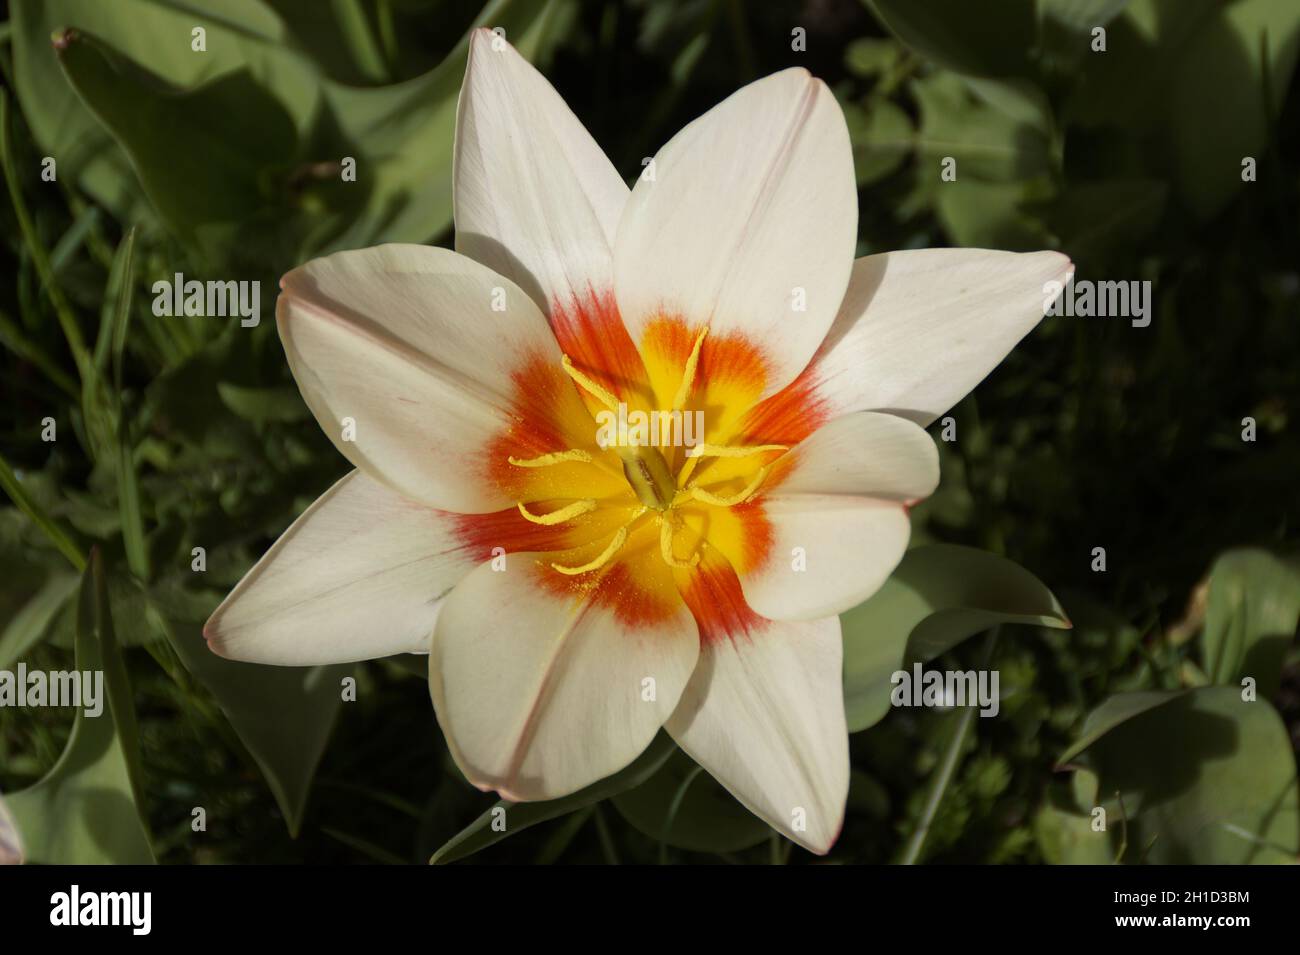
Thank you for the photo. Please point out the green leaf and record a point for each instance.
(1204, 777)
(404, 132)
(87, 809)
(882, 137)
(13, 338)
(1194, 125)
(1067, 838)
(993, 215)
(263, 404)
(1107, 220)
(992, 38)
(1250, 618)
(115, 315)
(867, 795)
(130, 602)
(128, 495)
(30, 625)
(114, 321)
(1115, 711)
(36, 248)
(1219, 116)
(240, 34)
(1019, 100)
(480, 834)
(999, 133)
(683, 806)
(10, 484)
(939, 595)
(995, 131)
(325, 37)
(1067, 26)
(1080, 15)
(284, 715)
(208, 158)
(869, 56)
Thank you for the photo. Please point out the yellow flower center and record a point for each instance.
(659, 490)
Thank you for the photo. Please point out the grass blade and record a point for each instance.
(18, 494)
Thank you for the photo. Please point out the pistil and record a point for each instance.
(649, 475)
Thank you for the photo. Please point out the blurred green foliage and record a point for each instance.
(183, 432)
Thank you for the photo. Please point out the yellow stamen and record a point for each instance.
(732, 451)
(555, 457)
(666, 546)
(606, 555)
(726, 500)
(558, 517)
(600, 561)
(688, 376)
(599, 393)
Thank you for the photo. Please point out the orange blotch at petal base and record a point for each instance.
(640, 529)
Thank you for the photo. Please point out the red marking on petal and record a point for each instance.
(542, 402)
(715, 598)
(508, 529)
(618, 589)
(591, 332)
(757, 536)
(726, 360)
(638, 596)
(790, 415)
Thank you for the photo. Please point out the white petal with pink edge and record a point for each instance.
(749, 223)
(535, 197)
(359, 575)
(405, 355)
(542, 693)
(764, 714)
(920, 329)
(838, 524)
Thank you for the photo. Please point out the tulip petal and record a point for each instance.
(359, 575)
(837, 522)
(541, 688)
(764, 714)
(919, 329)
(535, 197)
(411, 359)
(748, 225)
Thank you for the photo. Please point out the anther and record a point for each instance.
(688, 376)
(565, 513)
(555, 457)
(606, 555)
(598, 392)
(726, 500)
